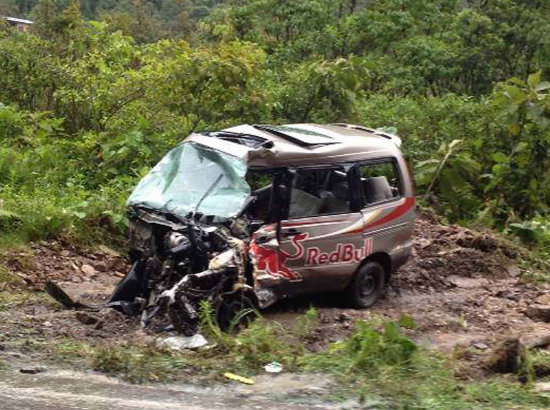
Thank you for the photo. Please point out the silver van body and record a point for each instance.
(268, 212)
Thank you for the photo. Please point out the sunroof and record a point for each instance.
(250, 141)
(298, 136)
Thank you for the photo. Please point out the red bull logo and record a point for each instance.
(344, 253)
(273, 262)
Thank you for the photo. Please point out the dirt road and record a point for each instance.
(64, 390)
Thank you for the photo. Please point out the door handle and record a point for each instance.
(291, 232)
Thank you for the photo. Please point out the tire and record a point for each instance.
(235, 312)
(366, 286)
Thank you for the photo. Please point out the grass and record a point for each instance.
(69, 348)
(140, 363)
(539, 361)
(382, 367)
(7, 278)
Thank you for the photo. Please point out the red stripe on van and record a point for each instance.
(396, 213)
(293, 224)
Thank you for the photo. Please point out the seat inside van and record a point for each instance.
(336, 200)
(377, 189)
(303, 204)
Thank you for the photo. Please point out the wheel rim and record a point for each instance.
(368, 285)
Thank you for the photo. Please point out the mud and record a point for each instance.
(462, 288)
(93, 272)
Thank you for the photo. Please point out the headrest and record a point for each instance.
(377, 189)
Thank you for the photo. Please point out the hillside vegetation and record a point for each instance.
(88, 106)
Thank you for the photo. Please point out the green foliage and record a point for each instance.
(388, 367)
(521, 162)
(406, 322)
(319, 90)
(455, 175)
(98, 91)
(369, 351)
(263, 341)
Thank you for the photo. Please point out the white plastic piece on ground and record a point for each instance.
(183, 342)
(273, 367)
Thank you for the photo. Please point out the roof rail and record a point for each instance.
(393, 138)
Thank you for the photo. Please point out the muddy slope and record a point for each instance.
(460, 287)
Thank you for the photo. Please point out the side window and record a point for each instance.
(319, 192)
(379, 182)
(260, 183)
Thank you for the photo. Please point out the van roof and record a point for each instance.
(300, 144)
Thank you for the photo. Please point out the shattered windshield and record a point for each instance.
(191, 178)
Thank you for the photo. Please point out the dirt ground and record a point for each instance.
(461, 288)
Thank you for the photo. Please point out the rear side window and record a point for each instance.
(319, 192)
(379, 182)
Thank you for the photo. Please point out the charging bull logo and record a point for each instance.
(273, 261)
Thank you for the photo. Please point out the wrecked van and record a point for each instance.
(248, 215)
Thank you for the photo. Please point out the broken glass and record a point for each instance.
(192, 178)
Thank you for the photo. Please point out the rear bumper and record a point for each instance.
(400, 256)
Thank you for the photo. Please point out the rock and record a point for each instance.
(32, 370)
(484, 243)
(513, 271)
(509, 294)
(536, 340)
(85, 318)
(181, 342)
(101, 266)
(109, 251)
(423, 243)
(118, 264)
(343, 317)
(467, 283)
(87, 269)
(480, 346)
(543, 299)
(542, 387)
(538, 313)
(507, 357)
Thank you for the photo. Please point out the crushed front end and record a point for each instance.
(177, 264)
(189, 238)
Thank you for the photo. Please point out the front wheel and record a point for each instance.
(367, 285)
(235, 311)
